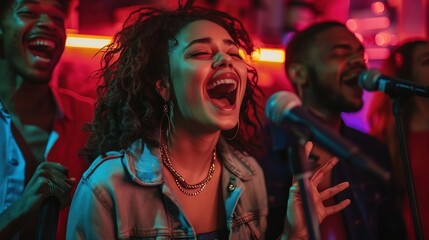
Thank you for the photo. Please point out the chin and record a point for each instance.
(39, 78)
(226, 126)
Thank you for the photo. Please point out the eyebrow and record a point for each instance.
(208, 40)
(23, 2)
(57, 5)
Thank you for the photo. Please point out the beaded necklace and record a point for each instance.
(181, 183)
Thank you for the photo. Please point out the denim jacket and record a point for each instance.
(124, 196)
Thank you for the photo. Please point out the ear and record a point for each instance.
(297, 74)
(163, 89)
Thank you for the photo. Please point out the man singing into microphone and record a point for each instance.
(323, 64)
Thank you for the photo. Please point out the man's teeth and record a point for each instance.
(223, 81)
(42, 42)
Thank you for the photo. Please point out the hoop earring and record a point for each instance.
(165, 116)
(236, 132)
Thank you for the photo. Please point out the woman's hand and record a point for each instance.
(295, 226)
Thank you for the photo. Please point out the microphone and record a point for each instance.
(48, 219)
(373, 80)
(284, 109)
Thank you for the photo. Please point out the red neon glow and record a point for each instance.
(382, 39)
(352, 24)
(269, 55)
(97, 42)
(377, 53)
(87, 41)
(378, 7)
(365, 24)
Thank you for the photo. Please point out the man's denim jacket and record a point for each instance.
(123, 196)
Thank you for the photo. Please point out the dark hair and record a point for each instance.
(400, 61)
(5, 6)
(298, 47)
(128, 107)
(304, 4)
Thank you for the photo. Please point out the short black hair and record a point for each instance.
(297, 49)
(304, 4)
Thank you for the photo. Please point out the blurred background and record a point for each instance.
(379, 24)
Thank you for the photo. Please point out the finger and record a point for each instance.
(294, 189)
(323, 171)
(62, 191)
(337, 207)
(62, 185)
(55, 173)
(71, 181)
(48, 189)
(58, 178)
(308, 147)
(49, 166)
(58, 174)
(332, 191)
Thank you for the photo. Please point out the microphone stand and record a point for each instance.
(397, 112)
(299, 165)
(48, 219)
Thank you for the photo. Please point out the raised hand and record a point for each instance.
(295, 226)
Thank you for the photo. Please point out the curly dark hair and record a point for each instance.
(129, 107)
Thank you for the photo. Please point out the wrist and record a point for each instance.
(11, 220)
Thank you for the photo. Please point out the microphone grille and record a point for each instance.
(368, 79)
(279, 103)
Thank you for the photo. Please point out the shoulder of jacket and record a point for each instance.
(104, 166)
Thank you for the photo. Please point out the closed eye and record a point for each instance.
(236, 56)
(27, 13)
(59, 20)
(341, 54)
(200, 54)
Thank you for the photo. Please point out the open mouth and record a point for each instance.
(223, 92)
(351, 78)
(352, 81)
(42, 49)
